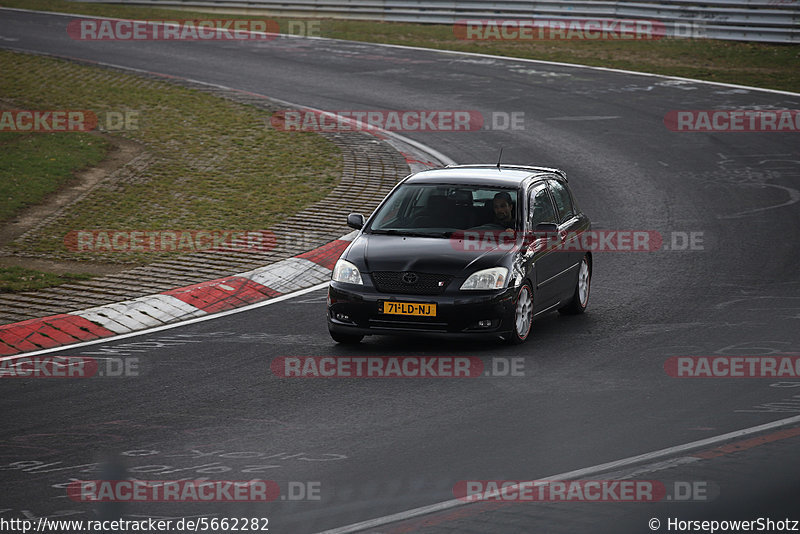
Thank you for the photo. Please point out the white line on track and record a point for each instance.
(458, 53)
(593, 470)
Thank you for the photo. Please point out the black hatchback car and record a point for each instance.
(465, 249)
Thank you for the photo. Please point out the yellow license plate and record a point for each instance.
(409, 308)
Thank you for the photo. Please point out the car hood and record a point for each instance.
(373, 252)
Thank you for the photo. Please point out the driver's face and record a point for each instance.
(502, 210)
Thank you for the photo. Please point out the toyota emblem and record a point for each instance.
(410, 278)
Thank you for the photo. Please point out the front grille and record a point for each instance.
(425, 284)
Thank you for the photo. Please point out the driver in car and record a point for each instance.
(503, 211)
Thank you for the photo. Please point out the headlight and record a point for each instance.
(344, 271)
(494, 278)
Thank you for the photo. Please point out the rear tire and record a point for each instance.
(580, 298)
(345, 339)
(523, 316)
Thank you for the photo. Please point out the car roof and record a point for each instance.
(483, 174)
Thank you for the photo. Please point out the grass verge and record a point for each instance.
(211, 163)
(35, 165)
(757, 64)
(17, 279)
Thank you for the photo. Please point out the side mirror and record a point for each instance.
(355, 220)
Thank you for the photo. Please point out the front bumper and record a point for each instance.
(355, 309)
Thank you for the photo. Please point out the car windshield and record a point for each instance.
(438, 210)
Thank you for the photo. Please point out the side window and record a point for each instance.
(562, 200)
(541, 207)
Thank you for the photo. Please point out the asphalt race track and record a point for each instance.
(594, 390)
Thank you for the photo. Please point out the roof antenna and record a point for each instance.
(499, 158)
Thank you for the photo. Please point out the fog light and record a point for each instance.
(485, 324)
(342, 316)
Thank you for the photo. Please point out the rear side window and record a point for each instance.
(541, 207)
(562, 200)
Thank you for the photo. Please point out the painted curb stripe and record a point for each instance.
(7, 350)
(57, 336)
(289, 275)
(292, 274)
(16, 335)
(174, 307)
(76, 326)
(326, 255)
(222, 294)
(20, 337)
(48, 332)
(111, 319)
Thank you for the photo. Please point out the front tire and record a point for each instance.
(580, 298)
(523, 315)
